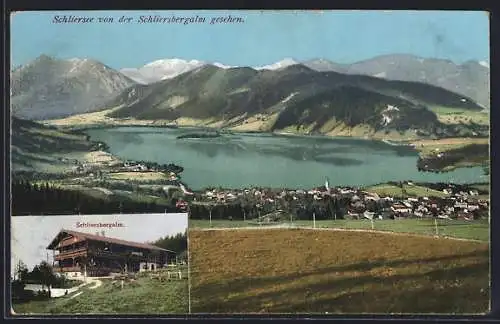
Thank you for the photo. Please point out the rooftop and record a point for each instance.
(93, 237)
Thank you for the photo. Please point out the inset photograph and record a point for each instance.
(99, 264)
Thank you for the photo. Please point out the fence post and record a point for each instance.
(373, 225)
(436, 226)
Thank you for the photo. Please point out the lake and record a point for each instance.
(268, 160)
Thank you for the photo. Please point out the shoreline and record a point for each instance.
(360, 186)
(421, 146)
(410, 142)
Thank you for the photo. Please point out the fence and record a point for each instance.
(471, 230)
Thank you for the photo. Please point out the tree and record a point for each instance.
(176, 243)
(43, 274)
(21, 272)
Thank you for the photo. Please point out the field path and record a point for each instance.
(97, 283)
(75, 295)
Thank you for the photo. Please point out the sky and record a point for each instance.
(264, 37)
(30, 235)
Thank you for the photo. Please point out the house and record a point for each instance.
(418, 214)
(92, 255)
(140, 167)
(400, 209)
(407, 204)
(181, 204)
(472, 207)
(352, 215)
(368, 214)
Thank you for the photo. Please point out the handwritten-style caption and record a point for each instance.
(148, 19)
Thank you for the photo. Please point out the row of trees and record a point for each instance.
(177, 243)
(41, 274)
(42, 199)
(170, 167)
(328, 208)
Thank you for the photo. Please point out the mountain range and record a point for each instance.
(471, 79)
(49, 88)
(316, 96)
(292, 98)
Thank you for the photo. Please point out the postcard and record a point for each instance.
(320, 161)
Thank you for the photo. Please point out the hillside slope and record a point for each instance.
(292, 98)
(471, 79)
(49, 88)
(39, 147)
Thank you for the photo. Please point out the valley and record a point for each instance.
(204, 106)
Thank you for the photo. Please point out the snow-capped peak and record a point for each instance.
(174, 62)
(278, 65)
(223, 66)
(485, 64)
(161, 69)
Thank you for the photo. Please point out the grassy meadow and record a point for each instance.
(470, 230)
(409, 191)
(144, 296)
(301, 271)
(449, 115)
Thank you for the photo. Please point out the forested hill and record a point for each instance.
(295, 97)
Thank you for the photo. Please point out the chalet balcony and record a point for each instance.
(116, 255)
(71, 254)
(67, 269)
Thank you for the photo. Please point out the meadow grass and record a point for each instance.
(471, 230)
(148, 296)
(138, 176)
(306, 271)
(450, 115)
(411, 190)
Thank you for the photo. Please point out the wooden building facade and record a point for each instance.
(97, 255)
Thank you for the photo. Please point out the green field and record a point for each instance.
(336, 272)
(472, 230)
(145, 296)
(450, 115)
(411, 191)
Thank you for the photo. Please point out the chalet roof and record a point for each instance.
(93, 237)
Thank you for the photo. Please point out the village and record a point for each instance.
(326, 201)
(97, 168)
(351, 203)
